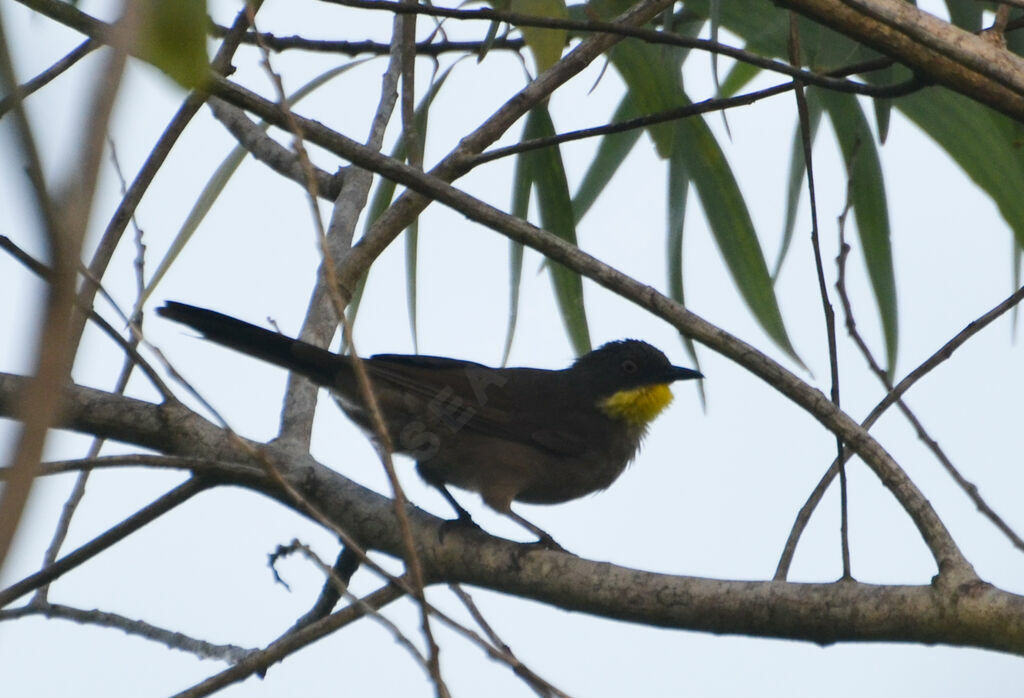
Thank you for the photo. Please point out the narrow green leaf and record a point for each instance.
(870, 209)
(610, 155)
(965, 14)
(738, 77)
(990, 156)
(655, 84)
(173, 38)
(219, 179)
(546, 45)
(522, 185)
(678, 190)
(385, 193)
(883, 110)
(552, 188)
(731, 226)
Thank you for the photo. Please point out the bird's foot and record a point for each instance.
(460, 523)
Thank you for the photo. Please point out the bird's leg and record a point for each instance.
(461, 513)
(545, 539)
(463, 518)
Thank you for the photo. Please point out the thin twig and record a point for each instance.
(45, 77)
(160, 506)
(279, 44)
(942, 354)
(335, 584)
(258, 661)
(826, 303)
(648, 35)
(540, 686)
(104, 619)
(78, 489)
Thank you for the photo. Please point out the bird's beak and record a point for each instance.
(678, 373)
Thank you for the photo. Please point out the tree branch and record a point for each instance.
(966, 613)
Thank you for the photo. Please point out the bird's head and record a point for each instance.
(630, 379)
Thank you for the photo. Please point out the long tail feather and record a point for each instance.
(319, 365)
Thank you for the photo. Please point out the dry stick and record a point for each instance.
(197, 465)
(826, 304)
(652, 36)
(674, 114)
(44, 78)
(335, 585)
(172, 639)
(430, 187)
(111, 238)
(160, 506)
(279, 44)
(129, 202)
(65, 217)
(711, 104)
(340, 585)
(46, 273)
(542, 687)
(894, 395)
(265, 149)
(78, 490)
(383, 445)
(968, 487)
(401, 213)
(260, 660)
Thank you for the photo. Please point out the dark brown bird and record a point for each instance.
(511, 434)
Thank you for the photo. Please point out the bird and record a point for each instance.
(528, 435)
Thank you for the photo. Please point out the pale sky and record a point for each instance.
(712, 493)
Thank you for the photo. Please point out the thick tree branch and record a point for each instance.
(969, 613)
(929, 46)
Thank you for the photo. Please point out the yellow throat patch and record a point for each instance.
(639, 405)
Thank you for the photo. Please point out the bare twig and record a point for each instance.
(540, 686)
(356, 48)
(894, 395)
(335, 585)
(44, 78)
(171, 638)
(258, 661)
(180, 494)
(826, 303)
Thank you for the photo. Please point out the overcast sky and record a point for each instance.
(713, 493)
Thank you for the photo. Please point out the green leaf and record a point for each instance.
(731, 225)
(546, 45)
(738, 77)
(965, 14)
(870, 209)
(610, 155)
(219, 179)
(384, 194)
(655, 83)
(522, 185)
(173, 38)
(547, 172)
(678, 190)
(987, 145)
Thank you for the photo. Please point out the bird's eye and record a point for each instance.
(629, 366)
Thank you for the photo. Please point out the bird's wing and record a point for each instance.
(492, 406)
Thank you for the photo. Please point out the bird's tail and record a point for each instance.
(319, 365)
